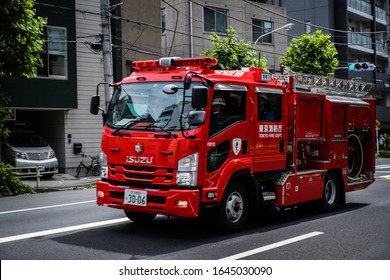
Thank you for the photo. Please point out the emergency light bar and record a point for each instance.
(174, 62)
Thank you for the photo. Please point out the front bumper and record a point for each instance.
(162, 202)
(28, 167)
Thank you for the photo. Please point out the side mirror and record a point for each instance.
(196, 117)
(94, 106)
(199, 97)
(170, 89)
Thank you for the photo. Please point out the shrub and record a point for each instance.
(10, 184)
(384, 153)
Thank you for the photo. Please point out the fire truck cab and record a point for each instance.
(181, 138)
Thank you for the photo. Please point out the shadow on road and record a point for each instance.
(167, 235)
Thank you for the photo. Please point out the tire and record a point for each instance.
(233, 213)
(96, 170)
(78, 169)
(140, 217)
(331, 192)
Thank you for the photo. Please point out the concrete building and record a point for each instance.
(186, 26)
(136, 34)
(360, 31)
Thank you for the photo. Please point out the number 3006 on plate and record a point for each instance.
(135, 197)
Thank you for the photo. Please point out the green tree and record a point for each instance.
(233, 53)
(20, 38)
(311, 53)
(21, 33)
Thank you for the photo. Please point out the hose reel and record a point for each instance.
(355, 157)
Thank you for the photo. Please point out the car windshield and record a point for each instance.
(26, 139)
(145, 106)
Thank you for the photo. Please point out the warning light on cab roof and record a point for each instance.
(174, 62)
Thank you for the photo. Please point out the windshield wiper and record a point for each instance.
(170, 134)
(127, 124)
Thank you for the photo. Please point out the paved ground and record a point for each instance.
(61, 182)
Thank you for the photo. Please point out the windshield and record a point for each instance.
(145, 106)
(26, 139)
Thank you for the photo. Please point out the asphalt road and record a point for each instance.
(68, 225)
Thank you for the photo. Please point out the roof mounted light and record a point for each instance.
(175, 62)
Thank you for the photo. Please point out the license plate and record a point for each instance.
(135, 197)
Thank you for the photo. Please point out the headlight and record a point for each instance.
(52, 154)
(187, 170)
(20, 155)
(103, 165)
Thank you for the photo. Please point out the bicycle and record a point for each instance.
(94, 167)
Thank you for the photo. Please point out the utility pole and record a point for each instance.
(106, 49)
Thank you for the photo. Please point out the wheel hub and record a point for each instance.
(234, 207)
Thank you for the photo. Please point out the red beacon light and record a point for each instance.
(174, 62)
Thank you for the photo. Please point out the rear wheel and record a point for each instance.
(330, 197)
(233, 213)
(96, 170)
(140, 217)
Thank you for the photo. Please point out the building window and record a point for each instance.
(259, 28)
(163, 20)
(308, 26)
(54, 53)
(215, 20)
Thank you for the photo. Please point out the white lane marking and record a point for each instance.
(387, 177)
(61, 230)
(382, 166)
(46, 207)
(272, 246)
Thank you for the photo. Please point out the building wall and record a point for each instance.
(42, 92)
(79, 125)
(318, 12)
(190, 39)
(140, 32)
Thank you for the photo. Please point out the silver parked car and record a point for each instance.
(25, 149)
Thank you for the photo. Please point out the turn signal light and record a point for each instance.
(181, 203)
(100, 194)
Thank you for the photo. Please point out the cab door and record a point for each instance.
(228, 133)
(270, 141)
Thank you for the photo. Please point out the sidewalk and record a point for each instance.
(60, 182)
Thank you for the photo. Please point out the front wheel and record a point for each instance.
(330, 197)
(140, 217)
(233, 213)
(78, 169)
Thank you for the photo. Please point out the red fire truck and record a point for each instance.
(181, 138)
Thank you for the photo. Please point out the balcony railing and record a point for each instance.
(360, 40)
(380, 47)
(380, 13)
(360, 5)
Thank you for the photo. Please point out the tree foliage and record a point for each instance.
(10, 184)
(20, 38)
(311, 53)
(5, 113)
(233, 53)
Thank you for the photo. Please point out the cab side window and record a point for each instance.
(269, 106)
(227, 109)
